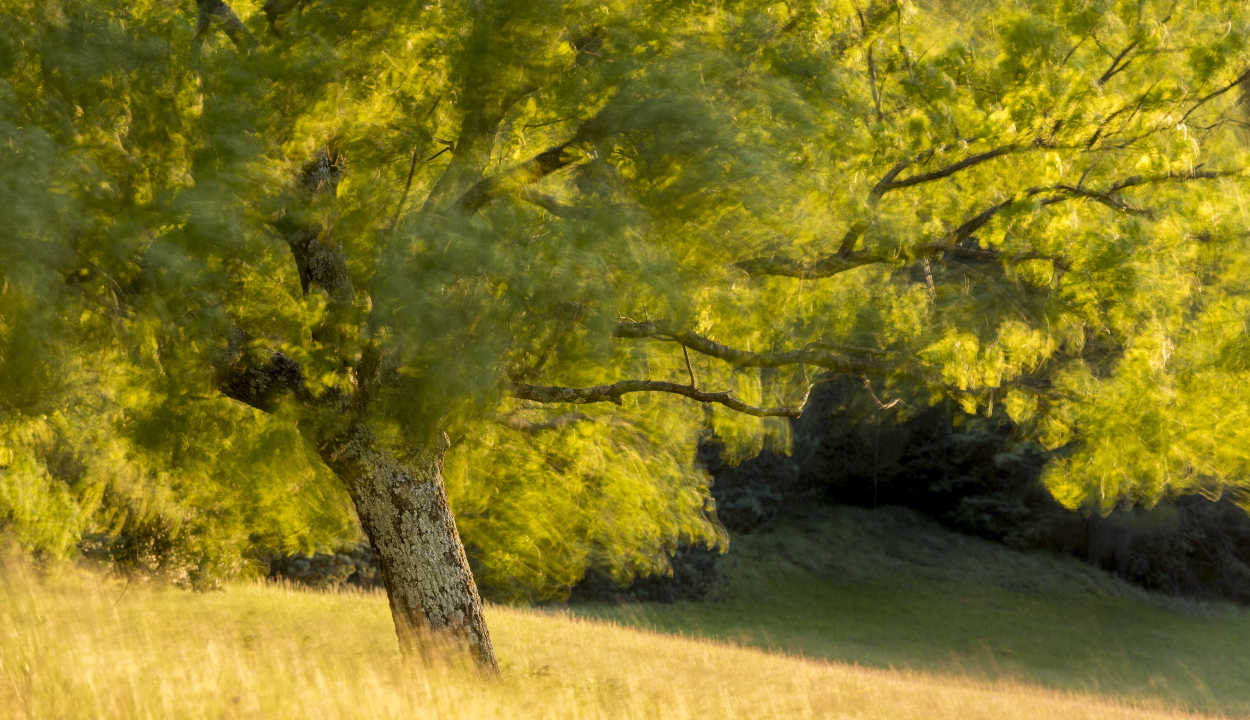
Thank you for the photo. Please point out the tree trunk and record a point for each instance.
(403, 508)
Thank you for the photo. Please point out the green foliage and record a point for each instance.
(607, 490)
(1049, 241)
(80, 482)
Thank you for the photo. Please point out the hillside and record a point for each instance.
(840, 612)
(82, 649)
(889, 588)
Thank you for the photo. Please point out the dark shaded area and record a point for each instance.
(966, 471)
(1192, 546)
(971, 474)
(693, 572)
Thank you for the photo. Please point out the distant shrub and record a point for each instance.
(354, 566)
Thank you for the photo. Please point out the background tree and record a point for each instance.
(345, 238)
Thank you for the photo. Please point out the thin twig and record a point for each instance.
(875, 399)
(119, 597)
(689, 368)
(412, 169)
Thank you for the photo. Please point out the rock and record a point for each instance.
(326, 571)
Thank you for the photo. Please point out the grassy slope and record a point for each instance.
(961, 621)
(888, 588)
(80, 648)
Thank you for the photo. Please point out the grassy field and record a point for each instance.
(889, 588)
(974, 638)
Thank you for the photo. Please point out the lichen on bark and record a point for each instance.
(403, 508)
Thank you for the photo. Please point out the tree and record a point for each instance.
(387, 230)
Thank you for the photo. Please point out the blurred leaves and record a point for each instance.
(150, 199)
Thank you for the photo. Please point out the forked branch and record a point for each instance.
(1214, 94)
(841, 260)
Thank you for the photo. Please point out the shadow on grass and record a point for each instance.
(889, 588)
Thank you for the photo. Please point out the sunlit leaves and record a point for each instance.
(149, 197)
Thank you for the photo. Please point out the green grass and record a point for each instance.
(79, 646)
(890, 589)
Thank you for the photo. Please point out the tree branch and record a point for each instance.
(320, 262)
(259, 377)
(685, 353)
(823, 268)
(613, 393)
(1116, 67)
(840, 261)
(1131, 108)
(1195, 174)
(889, 182)
(275, 9)
(978, 221)
(483, 192)
(1106, 198)
(851, 237)
(234, 28)
(872, 81)
(814, 354)
(553, 206)
(1204, 100)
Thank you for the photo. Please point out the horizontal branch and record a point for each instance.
(1066, 192)
(614, 392)
(1195, 174)
(1105, 199)
(972, 252)
(815, 354)
(825, 267)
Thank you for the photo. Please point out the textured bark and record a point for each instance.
(318, 259)
(403, 509)
(258, 377)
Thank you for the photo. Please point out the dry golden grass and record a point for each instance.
(84, 647)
